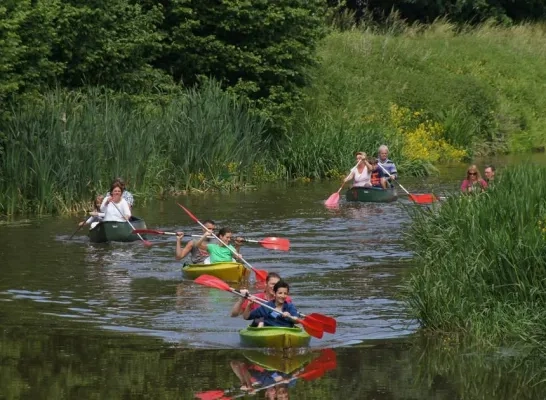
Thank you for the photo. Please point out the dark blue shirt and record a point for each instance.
(274, 318)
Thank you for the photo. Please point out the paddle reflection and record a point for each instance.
(273, 373)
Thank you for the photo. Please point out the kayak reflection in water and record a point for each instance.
(254, 378)
(283, 309)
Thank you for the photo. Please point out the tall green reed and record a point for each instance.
(66, 148)
(481, 260)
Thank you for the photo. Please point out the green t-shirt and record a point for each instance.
(220, 253)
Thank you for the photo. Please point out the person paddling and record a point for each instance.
(95, 215)
(199, 253)
(220, 252)
(361, 173)
(283, 309)
(267, 295)
(114, 207)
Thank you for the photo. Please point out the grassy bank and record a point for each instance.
(62, 151)
(481, 261)
(482, 88)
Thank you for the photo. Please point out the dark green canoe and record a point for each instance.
(274, 337)
(116, 231)
(371, 195)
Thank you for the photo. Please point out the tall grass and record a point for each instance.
(482, 84)
(62, 151)
(481, 261)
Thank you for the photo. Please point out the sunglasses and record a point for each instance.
(472, 173)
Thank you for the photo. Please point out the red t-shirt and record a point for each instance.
(260, 296)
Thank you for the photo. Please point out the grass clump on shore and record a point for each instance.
(62, 151)
(481, 261)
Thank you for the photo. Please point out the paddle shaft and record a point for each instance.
(258, 301)
(76, 231)
(390, 176)
(129, 222)
(221, 241)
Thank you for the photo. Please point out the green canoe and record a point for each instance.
(274, 337)
(111, 231)
(227, 271)
(371, 195)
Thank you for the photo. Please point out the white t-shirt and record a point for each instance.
(361, 179)
(112, 214)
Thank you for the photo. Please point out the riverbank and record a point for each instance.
(480, 262)
(433, 93)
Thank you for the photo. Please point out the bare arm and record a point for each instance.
(237, 309)
(182, 252)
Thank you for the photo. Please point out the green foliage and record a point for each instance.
(481, 265)
(65, 148)
(259, 49)
(479, 85)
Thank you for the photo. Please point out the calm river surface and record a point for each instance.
(118, 321)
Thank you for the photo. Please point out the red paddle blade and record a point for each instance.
(327, 359)
(312, 328)
(261, 274)
(147, 243)
(210, 395)
(311, 374)
(189, 213)
(425, 198)
(213, 282)
(329, 324)
(332, 200)
(275, 243)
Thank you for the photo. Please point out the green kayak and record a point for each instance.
(274, 337)
(286, 362)
(371, 195)
(111, 231)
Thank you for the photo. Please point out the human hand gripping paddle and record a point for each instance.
(424, 198)
(329, 324)
(260, 273)
(334, 198)
(312, 327)
(272, 243)
(144, 242)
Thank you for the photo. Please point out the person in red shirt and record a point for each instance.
(267, 295)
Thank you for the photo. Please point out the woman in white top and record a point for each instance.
(115, 208)
(361, 172)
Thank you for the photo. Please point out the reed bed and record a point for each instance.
(63, 150)
(481, 261)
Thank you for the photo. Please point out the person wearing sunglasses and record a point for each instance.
(473, 181)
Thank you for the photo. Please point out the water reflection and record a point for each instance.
(273, 373)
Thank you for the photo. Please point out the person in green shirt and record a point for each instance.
(217, 251)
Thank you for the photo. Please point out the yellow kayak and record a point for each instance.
(227, 271)
(279, 361)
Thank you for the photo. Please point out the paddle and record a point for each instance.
(260, 274)
(311, 327)
(425, 198)
(329, 324)
(220, 395)
(272, 243)
(76, 231)
(145, 242)
(334, 198)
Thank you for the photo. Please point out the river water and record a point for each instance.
(118, 321)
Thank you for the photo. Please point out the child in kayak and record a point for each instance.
(283, 309)
(267, 295)
(95, 215)
(219, 252)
